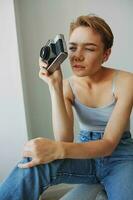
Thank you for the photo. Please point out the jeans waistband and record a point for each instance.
(86, 135)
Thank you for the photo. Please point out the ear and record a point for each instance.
(106, 55)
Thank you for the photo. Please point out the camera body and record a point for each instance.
(54, 53)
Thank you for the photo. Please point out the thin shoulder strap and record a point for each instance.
(71, 86)
(114, 83)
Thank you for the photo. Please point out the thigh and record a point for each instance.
(85, 192)
(73, 171)
(119, 181)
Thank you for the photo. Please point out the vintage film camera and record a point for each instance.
(54, 53)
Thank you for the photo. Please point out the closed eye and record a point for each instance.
(89, 49)
(73, 48)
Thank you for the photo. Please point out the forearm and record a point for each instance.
(90, 149)
(62, 125)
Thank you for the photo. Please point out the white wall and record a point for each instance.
(43, 19)
(13, 131)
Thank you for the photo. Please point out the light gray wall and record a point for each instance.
(13, 130)
(43, 19)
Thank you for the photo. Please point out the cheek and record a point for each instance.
(95, 59)
(100, 59)
(70, 57)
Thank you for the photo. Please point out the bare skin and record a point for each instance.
(93, 87)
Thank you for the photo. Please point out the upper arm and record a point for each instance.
(121, 113)
(68, 98)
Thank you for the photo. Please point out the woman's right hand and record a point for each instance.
(53, 78)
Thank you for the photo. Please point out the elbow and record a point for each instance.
(110, 147)
(108, 153)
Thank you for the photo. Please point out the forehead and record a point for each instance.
(81, 35)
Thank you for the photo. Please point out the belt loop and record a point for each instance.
(101, 135)
(91, 134)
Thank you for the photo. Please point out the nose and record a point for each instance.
(78, 56)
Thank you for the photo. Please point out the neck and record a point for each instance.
(96, 77)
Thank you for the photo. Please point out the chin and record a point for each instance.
(82, 73)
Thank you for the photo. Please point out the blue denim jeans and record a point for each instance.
(114, 173)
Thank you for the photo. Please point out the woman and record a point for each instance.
(103, 99)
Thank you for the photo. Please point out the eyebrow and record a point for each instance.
(85, 44)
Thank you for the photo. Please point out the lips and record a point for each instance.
(78, 66)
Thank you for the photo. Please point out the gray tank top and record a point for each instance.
(94, 119)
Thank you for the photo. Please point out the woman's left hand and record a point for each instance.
(41, 151)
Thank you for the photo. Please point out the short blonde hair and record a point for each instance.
(98, 25)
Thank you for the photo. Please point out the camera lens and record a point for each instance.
(45, 52)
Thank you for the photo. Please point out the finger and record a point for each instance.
(27, 165)
(43, 72)
(42, 63)
(27, 154)
(42, 69)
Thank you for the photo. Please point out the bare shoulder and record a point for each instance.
(67, 90)
(125, 74)
(125, 78)
(125, 84)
